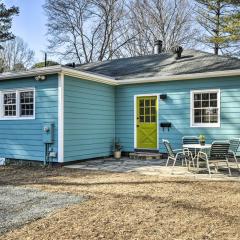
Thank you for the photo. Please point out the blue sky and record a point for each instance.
(30, 24)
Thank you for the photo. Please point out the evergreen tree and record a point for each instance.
(220, 20)
(6, 15)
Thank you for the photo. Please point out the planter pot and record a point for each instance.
(202, 143)
(117, 154)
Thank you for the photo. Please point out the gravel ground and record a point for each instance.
(123, 206)
(20, 205)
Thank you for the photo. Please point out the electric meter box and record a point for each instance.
(48, 132)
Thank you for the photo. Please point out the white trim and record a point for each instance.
(89, 76)
(205, 125)
(60, 117)
(135, 115)
(17, 117)
(111, 81)
(191, 76)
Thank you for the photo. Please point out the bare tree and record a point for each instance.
(85, 30)
(15, 55)
(168, 20)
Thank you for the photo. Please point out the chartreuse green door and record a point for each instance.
(146, 122)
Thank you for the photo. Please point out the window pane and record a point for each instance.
(205, 104)
(213, 104)
(147, 103)
(214, 119)
(205, 96)
(205, 119)
(197, 119)
(153, 110)
(153, 102)
(141, 103)
(197, 112)
(213, 111)
(141, 118)
(147, 119)
(141, 111)
(205, 111)
(147, 110)
(153, 119)
(197, 96)
(197, 104)
(213, 95)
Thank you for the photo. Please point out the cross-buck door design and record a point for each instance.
(147, 122)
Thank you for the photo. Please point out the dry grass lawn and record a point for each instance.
(130, 206)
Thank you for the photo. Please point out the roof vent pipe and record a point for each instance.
(157, 46)
(178, 51)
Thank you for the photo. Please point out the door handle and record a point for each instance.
(137, 125)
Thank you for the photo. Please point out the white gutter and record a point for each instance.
(111, 81)
(31, 73)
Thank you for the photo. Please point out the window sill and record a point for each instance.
(206, 126)
(16, 118)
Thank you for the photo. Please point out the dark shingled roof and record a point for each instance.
(163, 64)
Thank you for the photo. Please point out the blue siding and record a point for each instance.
(89, 119)
(176, 109)
(22, 139)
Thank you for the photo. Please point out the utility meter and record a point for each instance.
(48, 132)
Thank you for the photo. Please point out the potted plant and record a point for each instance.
(117, 149)
(202, 140)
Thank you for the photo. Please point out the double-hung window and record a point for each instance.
(205, 108)
(17, 104)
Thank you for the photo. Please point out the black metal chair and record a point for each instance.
(234, 145)
(174, 154)
(191, 140)
(218, 153)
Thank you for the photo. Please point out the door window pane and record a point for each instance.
(147, 110)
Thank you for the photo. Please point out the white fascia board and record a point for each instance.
(89, 76)
(193, 76)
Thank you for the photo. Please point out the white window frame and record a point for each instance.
(205, 125)
(18, 115)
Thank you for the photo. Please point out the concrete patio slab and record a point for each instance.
(152, 167)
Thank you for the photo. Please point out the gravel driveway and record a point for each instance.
(20, 205)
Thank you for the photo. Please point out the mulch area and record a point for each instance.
(130, 206)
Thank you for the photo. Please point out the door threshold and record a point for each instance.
(146, 150)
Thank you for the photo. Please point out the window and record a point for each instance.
(9, 104)
(17, 104)
(26, 103)
(205, 108)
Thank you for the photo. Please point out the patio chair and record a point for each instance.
(234, 145)
(218, 153)
(191, 140)
(174, 154)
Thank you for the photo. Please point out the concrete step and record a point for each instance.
(145, 155)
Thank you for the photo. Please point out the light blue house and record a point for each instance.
(73, 114)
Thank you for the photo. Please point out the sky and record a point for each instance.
(30, 25)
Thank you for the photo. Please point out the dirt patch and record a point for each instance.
(130, 206)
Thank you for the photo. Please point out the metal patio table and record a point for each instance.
(197, 147)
